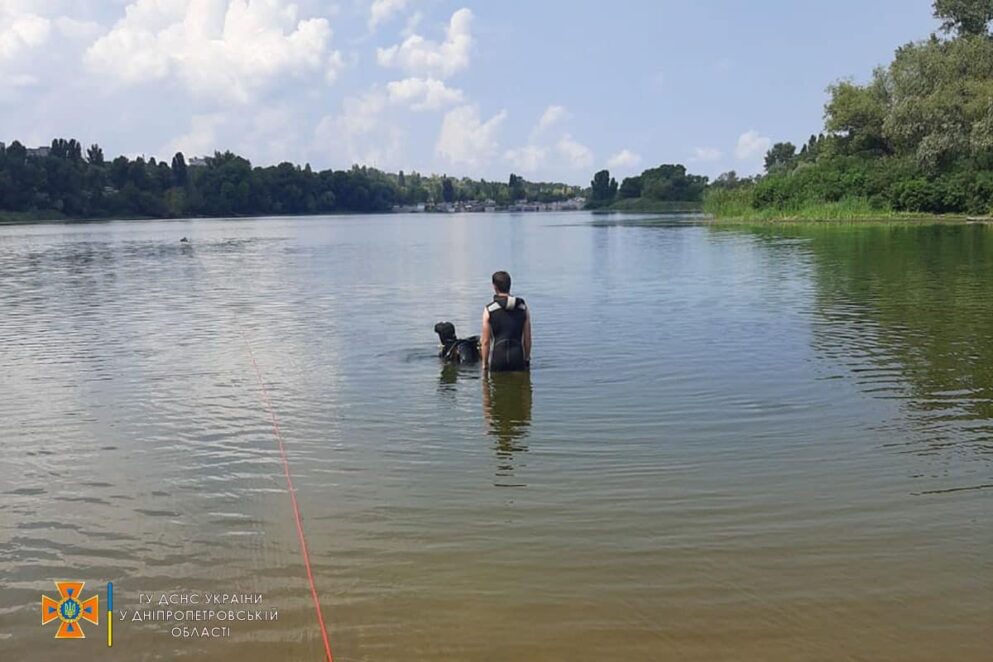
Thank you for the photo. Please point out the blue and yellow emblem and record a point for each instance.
(70, 609)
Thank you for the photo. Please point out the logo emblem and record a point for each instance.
(70, 609)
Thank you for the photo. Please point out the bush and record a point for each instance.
(729, 202)
(913, 195)
(881, 183)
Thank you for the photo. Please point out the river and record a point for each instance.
(768, 442)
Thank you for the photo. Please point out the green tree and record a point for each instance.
(858, 114)
(727, 180)
(64, 182)
(179, 172)
(917, 137)
(603, 189)
(516, 188)
(964, 17)
(942, 92)
(630, 188)
(94, 155)
(781, 157)
(671, 183)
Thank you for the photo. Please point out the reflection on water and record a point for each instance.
(759, 443)
(450, 373)
(507, 400)
(908, 311)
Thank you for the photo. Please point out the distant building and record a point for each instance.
(574, 204)
(38, 152)
(197, 162)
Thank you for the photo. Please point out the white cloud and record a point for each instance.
(19, 80)
(552, 116)
(528, 158)
(383, 10)
(336, 64)
(542, 152)
(29, 26)
(76, 29)
(706, 155)
(362, 133)
(751, 144)
(201, 140)
(257, 133)
(576, 154)
(21, 31)
(420, 57)
(467, 140)
(413, 21)
(226, 49)
(624, 159)
(423, 93)
(264, 135)
(360, 114)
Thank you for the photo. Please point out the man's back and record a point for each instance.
(506, 337)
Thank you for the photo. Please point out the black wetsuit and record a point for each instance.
(508, 315)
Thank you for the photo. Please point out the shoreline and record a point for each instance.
(22, 218)
(950, 219)
(885, 217)
(758, 218)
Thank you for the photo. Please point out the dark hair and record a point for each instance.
(501, 280)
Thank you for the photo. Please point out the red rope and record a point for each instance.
(293, 498)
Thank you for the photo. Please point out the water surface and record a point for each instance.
(764, 443)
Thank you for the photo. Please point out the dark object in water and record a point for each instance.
(455, 349)
(184, 240)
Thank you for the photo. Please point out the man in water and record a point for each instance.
(506, 329)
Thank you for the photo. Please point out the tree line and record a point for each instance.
(918, 137)
(664, 184)
(67, 181)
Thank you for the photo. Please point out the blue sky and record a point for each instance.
(553, 90)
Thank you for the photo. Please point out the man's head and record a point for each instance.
(501, 282)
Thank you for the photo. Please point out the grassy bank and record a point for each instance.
(737, 205)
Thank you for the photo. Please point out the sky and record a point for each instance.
(549, 89)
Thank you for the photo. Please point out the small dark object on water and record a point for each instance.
(184, 240)
(455, 349)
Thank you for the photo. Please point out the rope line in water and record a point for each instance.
(267, 403)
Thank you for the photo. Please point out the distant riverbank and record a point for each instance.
(16, 217)
(818, 214)
(20, 218)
